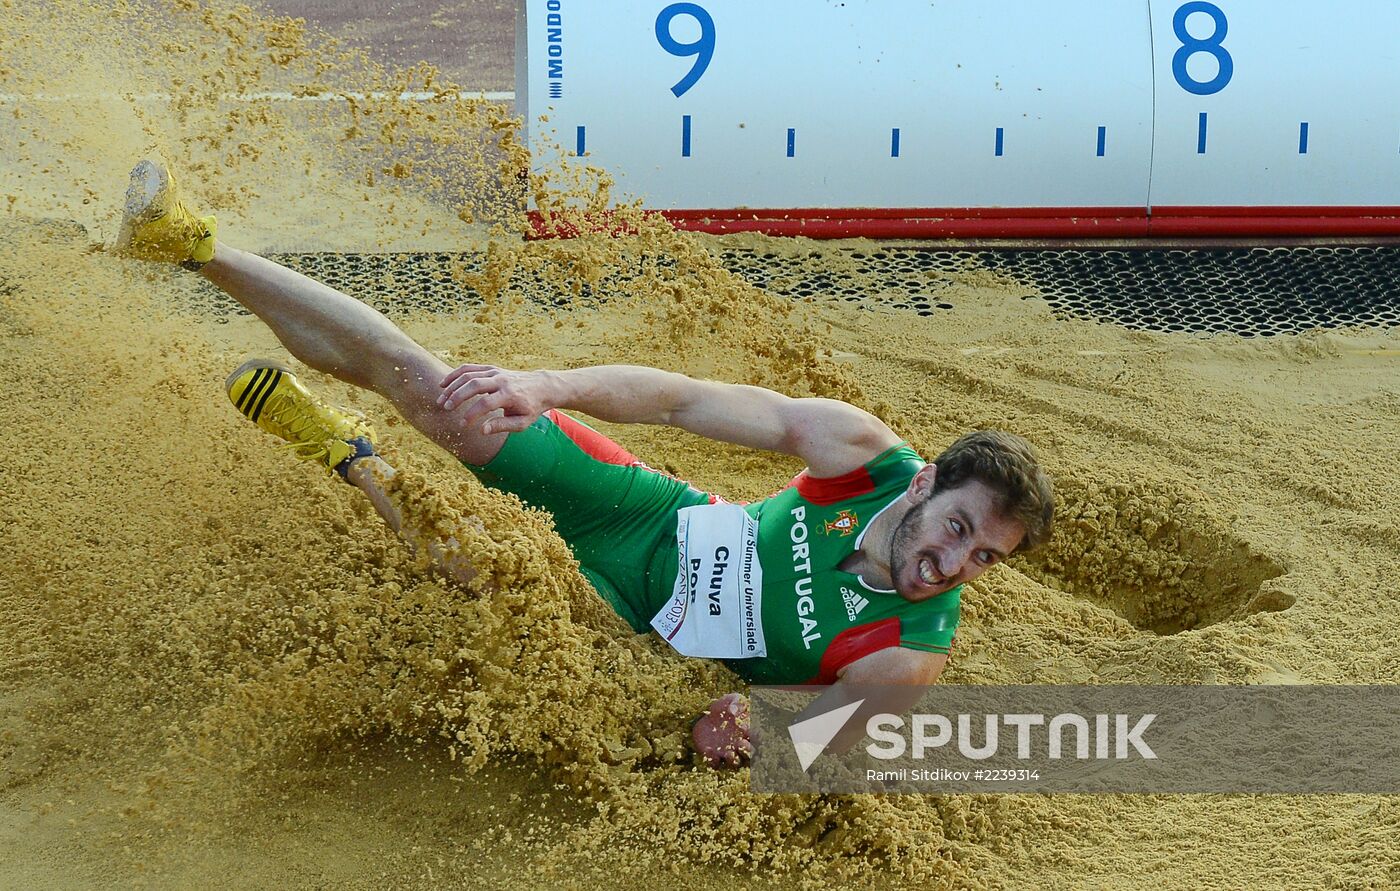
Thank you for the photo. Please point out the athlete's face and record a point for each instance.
(949, 538)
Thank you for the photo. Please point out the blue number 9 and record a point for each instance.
(1210, 45)
(703, 49)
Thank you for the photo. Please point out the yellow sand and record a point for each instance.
(217, 668)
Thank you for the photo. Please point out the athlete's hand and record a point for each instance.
(722, 734)
(521, 396)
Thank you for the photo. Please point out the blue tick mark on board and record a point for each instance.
(1100, 150)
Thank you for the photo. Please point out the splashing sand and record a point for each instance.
(217, 668)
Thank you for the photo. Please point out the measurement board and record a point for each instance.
(978, 117)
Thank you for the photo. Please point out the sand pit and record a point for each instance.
(218, 669)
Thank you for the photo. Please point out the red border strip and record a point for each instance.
(966, 225)
(903, 213)
(1039, 222)
(1283, 225)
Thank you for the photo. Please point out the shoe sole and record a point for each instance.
(148, 179)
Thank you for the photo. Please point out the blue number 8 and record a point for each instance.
(1190, 46)
(703, 49)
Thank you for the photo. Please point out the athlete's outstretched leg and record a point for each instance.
(337, 334)
(329, 331)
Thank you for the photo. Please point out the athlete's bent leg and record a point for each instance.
(337, 334)
(372, 476)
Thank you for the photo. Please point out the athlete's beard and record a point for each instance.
(910, 530)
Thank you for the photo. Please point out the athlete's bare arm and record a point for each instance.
(888, 681)
(831, 436)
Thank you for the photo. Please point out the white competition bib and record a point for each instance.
(716, 610)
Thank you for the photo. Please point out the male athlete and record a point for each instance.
(848, 576)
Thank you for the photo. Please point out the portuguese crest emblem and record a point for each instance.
(845, 523)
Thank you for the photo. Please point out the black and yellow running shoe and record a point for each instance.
(270, 395)
(156, 225)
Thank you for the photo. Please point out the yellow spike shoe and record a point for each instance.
(269, 394)
(156, 225)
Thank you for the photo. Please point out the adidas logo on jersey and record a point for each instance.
(854, 603)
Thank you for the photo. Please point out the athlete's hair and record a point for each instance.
(1007, 464)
